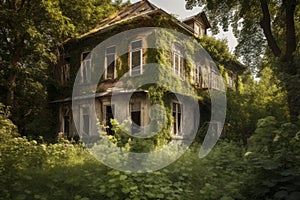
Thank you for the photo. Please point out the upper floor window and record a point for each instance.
(178, 60)
(65, 76)
(197, 29)
(206, 77)
(136, 58)
(216, 80)
(231, 80)
(110, 62)
(197, 76)
(85, 69)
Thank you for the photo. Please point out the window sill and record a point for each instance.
(177, 137)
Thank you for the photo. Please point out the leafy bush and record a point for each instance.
(275, 161)
(32, 169)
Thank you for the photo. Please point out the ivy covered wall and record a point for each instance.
(157, 94)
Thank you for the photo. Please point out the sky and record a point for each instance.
(177, 7)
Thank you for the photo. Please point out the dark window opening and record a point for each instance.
(176, 113)
(86, 122)
(66, 70)
(66, 124)
(136, 121)
(109, 116)
(135, 112)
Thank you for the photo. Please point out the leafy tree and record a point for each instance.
(30, 31)
(261, 25)
(257, 100)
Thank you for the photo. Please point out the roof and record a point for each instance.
(200, 15)
(136, 10)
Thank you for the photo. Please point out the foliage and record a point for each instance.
(258, 99)
(274, 157)
(220, 54)
(266, 30)
(31, 169)
(30, 33)
(7, 128)
(268, 168)
(34, 170)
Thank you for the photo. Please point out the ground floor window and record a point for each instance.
(66, 121)
(85, 117)
(135, 112)
(108, 109)
(177, 118)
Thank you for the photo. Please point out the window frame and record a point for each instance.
(198, 76)
(66, 69)
(87, 76)
(178, 53)
(132, 109)
(104, 117)
(82, 122)
(66, 112)
(106, 64)
(175, 121)
(197, 29)
(141, 57)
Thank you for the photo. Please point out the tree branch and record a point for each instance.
(266, 26)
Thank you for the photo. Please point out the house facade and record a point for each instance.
(126, 62)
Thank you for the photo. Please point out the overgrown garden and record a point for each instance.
(257, 157)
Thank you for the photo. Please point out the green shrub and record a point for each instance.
(275, 161)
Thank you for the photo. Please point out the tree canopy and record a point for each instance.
(30, 33)
(264, 28)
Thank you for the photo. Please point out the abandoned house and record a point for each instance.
(76, 58)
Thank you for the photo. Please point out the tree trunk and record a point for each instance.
(288, 65)
(293, 100)
(11, 85)
(292, 86)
